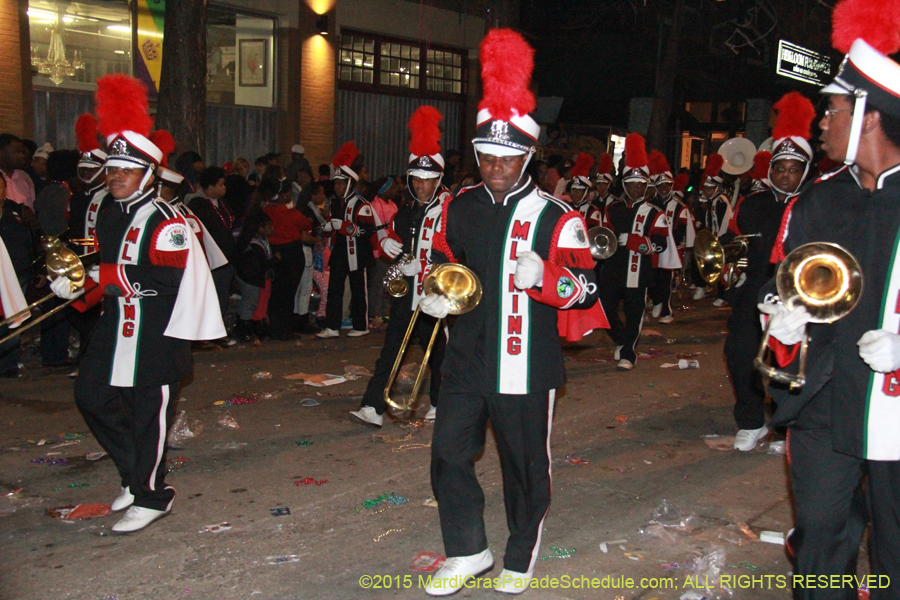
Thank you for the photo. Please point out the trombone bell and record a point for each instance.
(603, 242)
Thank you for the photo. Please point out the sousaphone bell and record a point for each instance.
(716, 260)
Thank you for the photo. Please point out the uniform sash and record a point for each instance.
(422, 245)
(515, 305)
(214, 255)
(638, 226)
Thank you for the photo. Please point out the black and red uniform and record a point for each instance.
(350, 257)
(677, 214)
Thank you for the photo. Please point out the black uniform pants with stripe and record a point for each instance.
(359, 305)
(521, 424)
(831, 513)
(741, 348)
(401, 315)
(661, 290)
(625, 334)
(131, 425)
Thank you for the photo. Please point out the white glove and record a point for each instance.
(336, 224)
(60, 286)
(786, 326)
(623, 239)
(741, 280)
(411, 268)
(880, 349)
(529, 270)
(435, 305)
(327, 228)
(391, 247)
(94, 273)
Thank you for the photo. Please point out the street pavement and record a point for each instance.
(622, 445)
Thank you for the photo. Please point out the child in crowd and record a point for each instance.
(254, 262)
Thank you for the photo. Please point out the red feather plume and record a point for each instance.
(122, 105)
(163, 140)
(713, 165)
(425, 130)
(606, 164)
(507, 61)
(583, 164)
(658, 163)
(681, 181)
(761, 162)
(86, 133)
(875, 21)
(635, 151)
(795, 116)
(346, 154)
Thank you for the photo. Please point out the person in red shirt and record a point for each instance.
(291, 230)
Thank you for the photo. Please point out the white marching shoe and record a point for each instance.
(718, 302)
(451, 578)
(139, 517)
(431, 415)
(699, 292)
(624, 365)
(328, 333)
(512, 582)
(666, 319)
(657, 310)
(357, 332)
(367, 415)
(618, 353)
(747, 439)
(123, 500)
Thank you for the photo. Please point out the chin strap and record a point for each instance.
(859, 113)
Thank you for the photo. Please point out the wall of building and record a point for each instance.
(412, 20)
(317, 83)
(16, 108)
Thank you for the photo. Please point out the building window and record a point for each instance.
(383, 63)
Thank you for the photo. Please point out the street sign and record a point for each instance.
(802, 64)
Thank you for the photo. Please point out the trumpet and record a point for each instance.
(603, 242)
(462, 287)
(715, 260)
(394, 281)
(826, 280)
(61, 262)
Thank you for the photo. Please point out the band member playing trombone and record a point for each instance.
(760, 215)
(412, 234)
(504, 361)
(844, 422)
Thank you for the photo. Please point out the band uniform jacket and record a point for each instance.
(648, 235)
(592, 212)
(353, 244)
(842, 392)
(508, 344)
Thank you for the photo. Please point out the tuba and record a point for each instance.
(826, 280)
(715, 260)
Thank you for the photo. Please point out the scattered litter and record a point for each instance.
(53, 462)
(229, 445)
(684, 363)
(668, 521)
(184, 429)
(308, 402)
(558, 553)
(407, 374)
(303, 443)
(652, 353)
(277, 560)
(772, 537)
(386, 498)
(430, 501)
(378, 538)
(405, 447)
(317, 379)
(651, 332)
(250, 369)
(79, 485)
(65, 437)
(604, 548)
(354, 372)
(577, 461)
(706, 566)
(226, 421)
(776, 448)
(65, 444)
(668, 365)
(173, 465)
(745, 564)
(236, 400)
(309, 480)
(41, 442)
(262, 375)
(79, 511)
(724, 443)
(621, 419)
(633, 555)
(425, 562)
(218, 528)
(279, 511)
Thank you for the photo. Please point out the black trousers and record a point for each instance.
(741, 347)
(287, 273)
(522, 425)
(359, 305)
(131, 424)
(401, 315)
(611, 292)
(661, 290)
(831, 513)
(84, 323)
(55, 334)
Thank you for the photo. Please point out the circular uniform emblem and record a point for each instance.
(178, 237)
(580, 234)
(565, 287)
(643, 249)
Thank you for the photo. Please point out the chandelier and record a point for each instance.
(56, 65)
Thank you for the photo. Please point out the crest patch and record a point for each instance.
(173, 237)
(565, 287)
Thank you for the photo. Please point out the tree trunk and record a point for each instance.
(503, 13)
(182, 83)
(665, 84)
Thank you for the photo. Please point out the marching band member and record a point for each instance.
(85, 206)
(714, 210)
(504, 361)
(579, 189)
(412, 232)
(603, 180)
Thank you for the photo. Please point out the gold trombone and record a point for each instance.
(826, 280)
(61, 262)
(462, 288)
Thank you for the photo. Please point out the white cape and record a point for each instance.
(196, 315)
(12, 300)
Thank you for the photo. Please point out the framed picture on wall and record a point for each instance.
(252, 63)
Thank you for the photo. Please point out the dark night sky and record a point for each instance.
(599, 54)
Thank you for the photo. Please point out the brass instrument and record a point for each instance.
(826, 280)
(715, 260)
(463, 289)
(61, 262)
(394, 280)
(603, 242)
